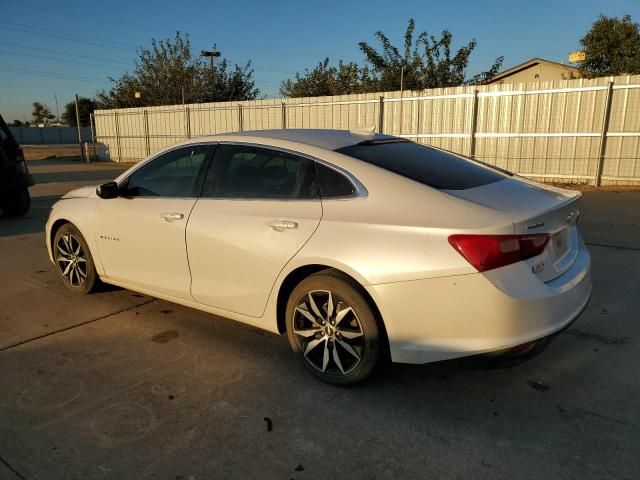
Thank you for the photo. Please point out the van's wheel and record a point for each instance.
(332, 328)
(73, 260)
(15, 202)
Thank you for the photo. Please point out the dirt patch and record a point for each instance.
(41, 152)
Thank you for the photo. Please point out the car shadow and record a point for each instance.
(32, 222)
(162, 354)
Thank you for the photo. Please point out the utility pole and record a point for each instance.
(401, 92)
(212, 54)
(55, 95)
(79, 130)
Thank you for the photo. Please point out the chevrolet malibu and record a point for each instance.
(358, 246)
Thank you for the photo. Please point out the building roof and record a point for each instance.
(531, 63)
(327, 139)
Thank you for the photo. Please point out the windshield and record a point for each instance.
(429, 166)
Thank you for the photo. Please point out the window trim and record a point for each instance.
(361, 191)
(207, 164)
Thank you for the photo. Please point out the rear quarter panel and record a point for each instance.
(398, 231)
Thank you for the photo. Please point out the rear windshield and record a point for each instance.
(429, 166)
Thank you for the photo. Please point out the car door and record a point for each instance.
(258, 208)
(141, 234)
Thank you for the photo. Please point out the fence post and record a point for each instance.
(381, 114)
(474, 125)
(115, 117)
(284, 115)
(187, 122)
(603, 134)
(79, 127)
(92, 124)
(92, 118)
(239, 117)
(147, 142)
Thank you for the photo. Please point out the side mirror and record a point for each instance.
(108, 190)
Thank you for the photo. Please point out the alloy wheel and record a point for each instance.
(330, 332)
(71, 260)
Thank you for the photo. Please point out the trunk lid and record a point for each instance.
(534, 209)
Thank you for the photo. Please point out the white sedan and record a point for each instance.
(358, 246)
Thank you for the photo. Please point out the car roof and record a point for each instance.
(321, 138)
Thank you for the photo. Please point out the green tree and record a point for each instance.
(611, 47)
(427, 61)
(17, 123)
(41, 113)
(324, 79)
(86, 106)
(169, 69)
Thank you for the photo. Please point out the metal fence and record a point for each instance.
(584, 131)
(49, 135)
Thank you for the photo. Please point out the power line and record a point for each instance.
(30, 85)
(39, 28)
(268, 82)
(264, 68)
(55, 59)
(68, 37)
(41, 73)
(66, 76)
(69, 15)
(38, 49)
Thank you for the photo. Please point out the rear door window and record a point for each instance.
(248, 172)
(333, 184)
(429, 166)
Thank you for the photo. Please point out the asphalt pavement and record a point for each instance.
(120, 385)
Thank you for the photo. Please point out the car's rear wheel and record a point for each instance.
(15, 202)
(73, 260)
(332, 329)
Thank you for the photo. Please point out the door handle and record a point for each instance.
(282, 225)
(172, 216)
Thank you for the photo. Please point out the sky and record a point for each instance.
(57, 49)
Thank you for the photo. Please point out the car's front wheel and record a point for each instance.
(332, 328)
(73, 260)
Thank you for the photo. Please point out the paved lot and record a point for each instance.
(119, 385)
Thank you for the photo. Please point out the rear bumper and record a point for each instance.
(443, 318)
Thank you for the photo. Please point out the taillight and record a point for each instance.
(486, 252)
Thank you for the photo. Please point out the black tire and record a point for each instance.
(16, 202)
(73, 260)
(315, 343)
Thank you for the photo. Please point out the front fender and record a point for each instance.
(79, 211)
